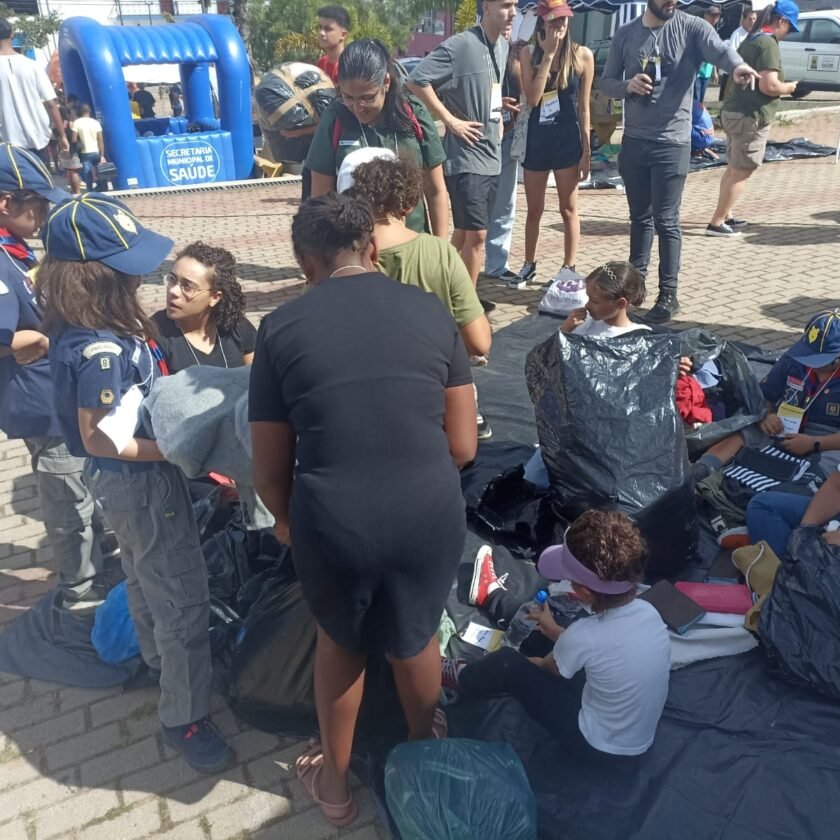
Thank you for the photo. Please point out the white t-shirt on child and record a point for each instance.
(602, 329)
(626, 654)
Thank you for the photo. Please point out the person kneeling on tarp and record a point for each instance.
(602, 689)
(803, 402)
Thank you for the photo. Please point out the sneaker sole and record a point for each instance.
(485, 435)
(476, 577)
(734, 235)
(519, 284)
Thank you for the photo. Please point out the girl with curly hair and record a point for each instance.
(204, 321)
(602, 689)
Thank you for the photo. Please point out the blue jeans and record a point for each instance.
(500, 230)
(773, 516)
(700, 86)
(89, 161)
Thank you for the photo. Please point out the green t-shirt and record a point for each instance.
(327, 160)
(761, 53)
(435, 266)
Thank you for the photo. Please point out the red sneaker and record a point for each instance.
(734, 538)
(484, 579)
(450, 671)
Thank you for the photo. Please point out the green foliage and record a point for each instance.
(465, 15)
(284, 30)
(34, 30)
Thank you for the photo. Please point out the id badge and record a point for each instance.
(496, 102)
(549, 107)
(657, 61)
(791, 417)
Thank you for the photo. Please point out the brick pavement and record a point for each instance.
(90, 764)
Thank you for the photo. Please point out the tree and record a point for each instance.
(465, 15)
(34, 31)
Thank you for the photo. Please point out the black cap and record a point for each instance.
(5, 29)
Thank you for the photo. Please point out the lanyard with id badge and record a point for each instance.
(495, 83)
(792, 415)
(549, 107)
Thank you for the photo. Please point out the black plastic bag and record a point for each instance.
(800, 621)
(738, 388)
(611, 436)
(293, 96)
(458, 789)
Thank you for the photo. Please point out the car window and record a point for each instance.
(824, 31)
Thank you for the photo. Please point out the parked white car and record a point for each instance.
(812, 56)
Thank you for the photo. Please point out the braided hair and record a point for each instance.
(230, 310)
(329, 224)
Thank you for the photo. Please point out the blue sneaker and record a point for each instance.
(201, 744)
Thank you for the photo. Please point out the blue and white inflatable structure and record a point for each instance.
(160, 152)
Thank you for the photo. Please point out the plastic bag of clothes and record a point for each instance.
(800, 621)
(458, 789)
(113, 633)
(611, 437)
(737, 389)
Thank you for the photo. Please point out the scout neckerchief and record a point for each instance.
(16, 248)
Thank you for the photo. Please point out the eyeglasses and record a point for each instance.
(364, 101)
(188, 289)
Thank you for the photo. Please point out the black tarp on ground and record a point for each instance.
(797, 148)
(739, 753)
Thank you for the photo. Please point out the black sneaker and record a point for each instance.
(736, 224)
(201, 744)
(524, 276)
(484, 430)
(144, 677)
(488, 305)
(663, 310)
(722, 230)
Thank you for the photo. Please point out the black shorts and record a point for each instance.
(552, 147)
(471, 197)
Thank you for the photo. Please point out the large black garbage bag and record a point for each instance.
(459, 789)
(800, 621)
(738, 389)
(612, 438)
(289, 98)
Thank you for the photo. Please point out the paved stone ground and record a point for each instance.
(90, 764)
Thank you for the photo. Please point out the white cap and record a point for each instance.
(344, 181)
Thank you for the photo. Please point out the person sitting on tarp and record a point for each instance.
(702, 132)
(803, 402)
(602, 689)
(774, 516)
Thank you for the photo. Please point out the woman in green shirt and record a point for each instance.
(372, 110)
(749, 111)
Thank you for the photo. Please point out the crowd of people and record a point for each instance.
(363, 379)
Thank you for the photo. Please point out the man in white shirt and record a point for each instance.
(28, 103)
(748, 16)
(87, 133)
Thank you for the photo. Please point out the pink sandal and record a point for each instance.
(308, 767)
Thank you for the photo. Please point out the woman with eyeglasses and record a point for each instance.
(204, 321)
(373, 111)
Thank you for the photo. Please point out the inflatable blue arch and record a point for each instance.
(160, 152)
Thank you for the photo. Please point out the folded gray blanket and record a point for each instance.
(199, 418)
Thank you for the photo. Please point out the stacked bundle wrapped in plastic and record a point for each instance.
(290, 100)
(611, 436)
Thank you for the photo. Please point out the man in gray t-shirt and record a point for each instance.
(460, 83)
(652, 64)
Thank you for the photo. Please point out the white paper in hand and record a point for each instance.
(121, 422)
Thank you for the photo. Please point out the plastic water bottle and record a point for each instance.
(521, 625)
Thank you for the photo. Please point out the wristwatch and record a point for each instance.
(816, 446)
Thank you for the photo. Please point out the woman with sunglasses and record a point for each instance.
(373, 111)
(204, 321)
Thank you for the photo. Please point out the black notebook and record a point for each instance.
(678, 611)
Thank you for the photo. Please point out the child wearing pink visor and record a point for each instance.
(602, 689)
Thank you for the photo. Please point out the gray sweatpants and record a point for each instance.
(68, 511)
(168, 595)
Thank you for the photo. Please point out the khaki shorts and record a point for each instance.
(745, 141)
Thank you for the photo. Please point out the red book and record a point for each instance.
(734, 598)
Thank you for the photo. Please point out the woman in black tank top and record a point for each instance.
(557, 78)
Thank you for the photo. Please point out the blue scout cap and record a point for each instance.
(22, 170)
(820, 345)
(789, 11)
(97, 227)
